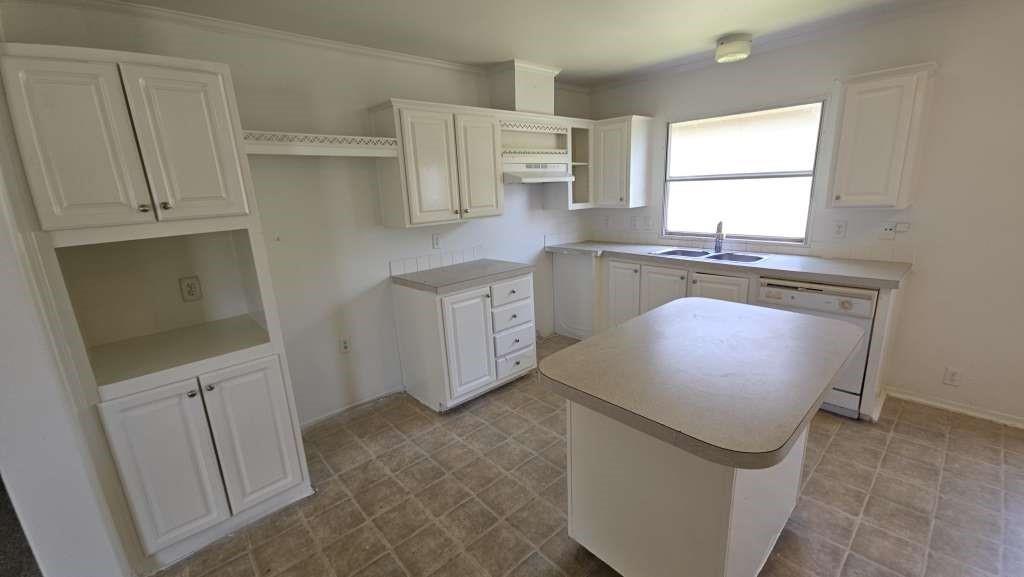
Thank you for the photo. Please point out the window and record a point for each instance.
(753, 172)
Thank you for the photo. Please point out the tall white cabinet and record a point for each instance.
(621, 155)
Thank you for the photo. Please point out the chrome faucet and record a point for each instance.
(719, 237)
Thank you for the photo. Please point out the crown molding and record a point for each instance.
(771, 42)
(250, 30)
(569, 87)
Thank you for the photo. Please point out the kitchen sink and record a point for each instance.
(682, 252)
(734, 257)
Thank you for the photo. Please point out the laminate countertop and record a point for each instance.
(462, 276)
(731, 383)
(847, 272)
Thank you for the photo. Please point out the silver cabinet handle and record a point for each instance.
(166, 205)
(465, 211)
(210, 387)
(192, 393)
(144, 208)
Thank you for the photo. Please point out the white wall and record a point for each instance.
(967, 234)
(328, 253)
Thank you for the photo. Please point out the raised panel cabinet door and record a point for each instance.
(252, 426)
(76, 142)
(432, 182)
(623, 292)
(874, 141)
(468, 330)
(660, 285)
(478, 140)
(189, 144)
(162, 446)
(611, 158)
(723, 288)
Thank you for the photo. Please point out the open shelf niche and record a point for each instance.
(577, 194)
(135, 315)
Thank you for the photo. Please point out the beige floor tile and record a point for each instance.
(897, 520)
(355, 550)
(857, 566)
(978, 451)
(318, 469)
(904, 493)
(971, 519)
(484, 438)
(536, 474)
(537, 521)
(426, 551)
(512, 423)
(915, 471)
(368, 426)
(499, 550)
(327, 495)
(509, 455)
(478, 475)
(330, 525)
(346, 457)
(420, 475)
(401, 457)
(362, 476)
(1013, 561)
(535, 437)
(776, 566)
(973, 470)
(315, 565)
(380, 497)
(873, 434)
(283, 551)
(933, 438)
(536, 566)
(1014, 460)
(434, 439)
(219, 553)
(847, 499)
(468, 521)
(461, 566)
(888, 550)
(854, 452)
(555, 422)
(386, 566)
(239, 567)
(557, 493)
(990, 437)
(941, 566)
(455, 456)
(415, 425)
(825, 422)
(809, 551)
(824, 521)
(401, 521)
(556, 454)
(464, 424)
(909, 449)
(443, 496)
(383, 441)
(852, 474)
(536, 411)
(968, 549)
(972, 492)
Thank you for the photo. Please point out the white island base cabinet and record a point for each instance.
(684, 515)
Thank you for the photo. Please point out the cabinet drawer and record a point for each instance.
(520, 361)
(512, 315)
(513, 340)
(511, 290)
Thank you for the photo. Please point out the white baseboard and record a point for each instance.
(314, 422)
(1004, 418)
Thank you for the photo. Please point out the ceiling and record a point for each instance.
(591, 40)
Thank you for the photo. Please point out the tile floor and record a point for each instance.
(404, 492)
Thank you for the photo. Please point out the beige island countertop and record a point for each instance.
(731, 383)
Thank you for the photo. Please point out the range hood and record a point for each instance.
(533, 173)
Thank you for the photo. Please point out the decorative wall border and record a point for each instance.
(530, 126)
(298, 144)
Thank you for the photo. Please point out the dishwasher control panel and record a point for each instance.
(814, 297)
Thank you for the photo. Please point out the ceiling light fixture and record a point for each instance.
(733, 48)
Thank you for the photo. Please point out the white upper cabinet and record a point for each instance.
(620, 159)
(468, 330)
(161, 443)
(623, 292)
(660, 285)
(251, 424)
(428, 146)
(188, 140)
(723, 288)
(478, 140)
(880, 126)
(76, 142)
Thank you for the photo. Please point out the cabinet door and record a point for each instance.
(467, 328)
(188, 141)
(723, 288)
(76, 142)
(481, 190)
(252, 425)
(428, 147)
(623, 292)
(660, 285)
(874, 141)
(161, 443)
(611, 162)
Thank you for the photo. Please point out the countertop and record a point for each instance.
(847, 272)
(457, 277)
(732, 383)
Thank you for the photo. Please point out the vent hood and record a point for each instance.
(534, 173)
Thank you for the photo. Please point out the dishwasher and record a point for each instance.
(855, 306)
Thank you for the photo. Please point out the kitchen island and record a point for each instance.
(686, 432)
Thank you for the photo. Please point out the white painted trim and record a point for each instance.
(1004, 418)
(221, 25)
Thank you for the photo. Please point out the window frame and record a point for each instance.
(814, 173)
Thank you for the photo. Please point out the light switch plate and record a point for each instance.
(191, 289)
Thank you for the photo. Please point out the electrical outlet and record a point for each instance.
(344, 345)
(191, 289)
(435, 241)
(951, 377)
(839, 228)
(607, 222)
(902, 227)
(888, 231)
(634, 222)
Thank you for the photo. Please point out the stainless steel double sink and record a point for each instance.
(697, 253)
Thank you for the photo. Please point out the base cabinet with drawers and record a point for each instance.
(458, 346)
(193, 453)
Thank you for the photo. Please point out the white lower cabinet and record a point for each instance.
(456, 347)
(171, 466)
(623, 292)
(660, 285)
(723, 288)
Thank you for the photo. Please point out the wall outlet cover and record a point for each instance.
(191, 289)
(435, 241)
(839, 228)
(951, 377)
(888, 231)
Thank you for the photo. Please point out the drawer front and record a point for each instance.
(511, 290)
(513, 340)
(512, 315)
(516, 362)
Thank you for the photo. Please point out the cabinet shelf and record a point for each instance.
(259, 142)
(121, 360)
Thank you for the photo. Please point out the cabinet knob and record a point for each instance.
(210, 387)
(465, 211)
(514, 317)
(621, 199)
(192, 393)
(516, 341)
(636, 270)
(512, 292)
(682, 277)
(456, 211)
(487, 295)
(517, 363)
(694, 281)
(838, 196)
(144, 208)
(166, 205)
